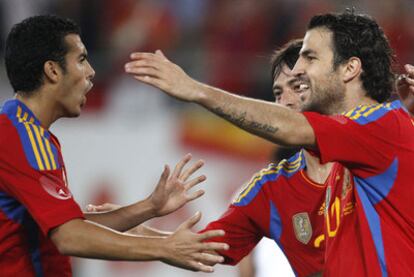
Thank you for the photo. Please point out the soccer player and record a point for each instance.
(40, 223)
(283, 201)
(346, 60)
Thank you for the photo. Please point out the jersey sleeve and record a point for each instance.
(241, 234)
(360, 143)
(42, 193)
(246, 221)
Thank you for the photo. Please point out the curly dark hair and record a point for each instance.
(358, 35)
(288, 54)
(33, 42)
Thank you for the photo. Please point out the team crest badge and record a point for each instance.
(302, 227)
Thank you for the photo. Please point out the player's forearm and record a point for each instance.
(264, 119)
(86, 239)
(124, 218)
(143, 230)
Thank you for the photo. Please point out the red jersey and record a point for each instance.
(370, 217)
(34, 197)
(280, 203)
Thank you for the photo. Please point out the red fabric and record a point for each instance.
(32, 202)
(370, 213)
(245, 224)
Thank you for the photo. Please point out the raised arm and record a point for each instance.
(265, 119)
(170, 194)
(183, 248)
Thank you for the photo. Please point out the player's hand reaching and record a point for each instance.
(405, 87)
(172, 191)
(187, 250)
(156, 70)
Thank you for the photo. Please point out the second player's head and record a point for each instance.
(344, 52)
(288, 89)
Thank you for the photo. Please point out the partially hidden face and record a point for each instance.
(315, 66)
(76, 81)
(289, 90)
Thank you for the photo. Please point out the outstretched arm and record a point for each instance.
(170, 194)
(265, 119)
(141, 230)
(183, 248)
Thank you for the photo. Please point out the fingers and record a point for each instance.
(106, 207)
(152, 81)
(142, 71)
(197, 266)
(189, 223)
(207, 258)
(164, 175)
(187, 173)
(214, 246)
(410, 69)
(211, 234)
(410, 76)
(195, 195)
(195, 181)
(161, 54)
(179, 167)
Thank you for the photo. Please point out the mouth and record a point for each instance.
(90, 86)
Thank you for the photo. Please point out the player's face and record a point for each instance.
(289, 90)
(315, 66)
(76, 81)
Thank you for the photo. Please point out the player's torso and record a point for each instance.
(24, 250)
(292, 214)
(369, 220)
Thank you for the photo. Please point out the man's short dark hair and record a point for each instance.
(33, 42)
(358, 35)
(287, 55)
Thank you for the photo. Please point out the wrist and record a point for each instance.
(145, 207)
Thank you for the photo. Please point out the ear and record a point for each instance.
(352, 69)
(52, 71)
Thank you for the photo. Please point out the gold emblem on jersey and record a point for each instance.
(302, 227)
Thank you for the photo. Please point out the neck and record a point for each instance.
(41, 106)
(356, 96)
(316, 171)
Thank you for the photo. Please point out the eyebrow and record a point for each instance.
(276, 87)
(290, 82)
(307, 52)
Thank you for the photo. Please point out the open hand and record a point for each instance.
(187, 250)
(156, 70)
(172, 191)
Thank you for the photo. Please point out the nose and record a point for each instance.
(298, 68)
(289, 98)
(91, 72)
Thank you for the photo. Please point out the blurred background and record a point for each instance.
(116, 150)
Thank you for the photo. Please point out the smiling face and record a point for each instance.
(76, 79)
(289, 90)
(315, 67)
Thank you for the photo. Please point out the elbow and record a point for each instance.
(63, 237)
(300, 135)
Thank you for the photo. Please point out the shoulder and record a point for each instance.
(274, 173)
(365, 114)
(30, 140)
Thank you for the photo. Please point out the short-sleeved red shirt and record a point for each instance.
(370, 214)
(34, 197)
(280, 203)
